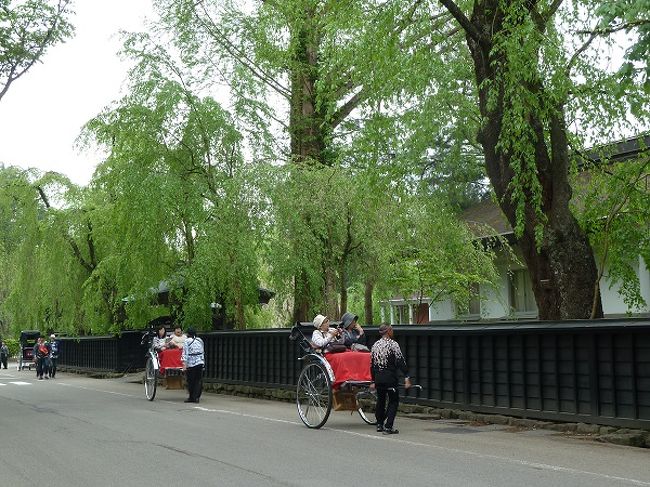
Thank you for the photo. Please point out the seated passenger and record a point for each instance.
(160, 340)
(353, 334)
(326, 338)
(177, 339)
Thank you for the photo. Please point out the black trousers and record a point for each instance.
(53, 367)
(42, 366)
(194, 378)
(386, 414)
(3, 359)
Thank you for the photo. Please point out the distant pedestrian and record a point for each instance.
(54, 355)
(42, 358)
(4, 354)
(385, 360)
(193, 358)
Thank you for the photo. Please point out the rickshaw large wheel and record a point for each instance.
(150, 380)
(314, 395)
(366, 402)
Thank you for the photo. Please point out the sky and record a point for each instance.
(43, 112)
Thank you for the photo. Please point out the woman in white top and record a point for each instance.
(177, 339)
(323, 337)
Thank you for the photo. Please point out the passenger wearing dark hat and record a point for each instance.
(193, 358)
(352, 331)
(386, 360)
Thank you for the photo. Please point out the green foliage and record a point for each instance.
(615, 214)
(27, 30)
(195, 194)
(43, 275)
(13, 344)
(630, 16)
(439, 257)
(180, 198)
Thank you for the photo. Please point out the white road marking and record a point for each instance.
(244, 415)
(525, 463)
(20, 383)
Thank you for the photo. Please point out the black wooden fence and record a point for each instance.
(595, 372)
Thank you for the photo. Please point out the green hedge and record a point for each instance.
(14, 346)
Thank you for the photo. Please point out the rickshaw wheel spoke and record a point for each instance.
(314, 395)
(150, 379)
(366, 402)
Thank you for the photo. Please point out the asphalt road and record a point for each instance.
(77, 431)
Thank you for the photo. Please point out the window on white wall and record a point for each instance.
(522, 300)
(402, 313)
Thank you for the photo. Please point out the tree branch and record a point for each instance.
(616, 28)
(347, 107)
(551, 10)
(462, 19)
(582, 49)
(238, 54)
(66, 237)
(14, 73)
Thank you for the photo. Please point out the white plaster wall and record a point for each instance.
(613, 302)
(442, 310)
(494, 300)
(644, 281)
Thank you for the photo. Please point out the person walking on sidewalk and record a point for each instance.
(42, 358)
(4, 354)
(193, 358)
(54, 355)
(385, 360)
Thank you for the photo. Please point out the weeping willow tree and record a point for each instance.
(180, 201)
(48, 252)
(305, 77)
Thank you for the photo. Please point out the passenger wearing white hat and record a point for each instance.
(326, 338)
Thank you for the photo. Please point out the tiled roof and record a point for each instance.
(486, 219)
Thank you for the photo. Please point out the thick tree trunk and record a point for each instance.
(307, 127)
(301, 301)
(561, 264)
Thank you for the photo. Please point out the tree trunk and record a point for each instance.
(307, 127)
(561, 264)
(367, 298)
(343, 286)
(301, 301)
(331, 295)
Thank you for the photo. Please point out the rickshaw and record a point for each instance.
(319, 389)
(28, 340)
(166, 365)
